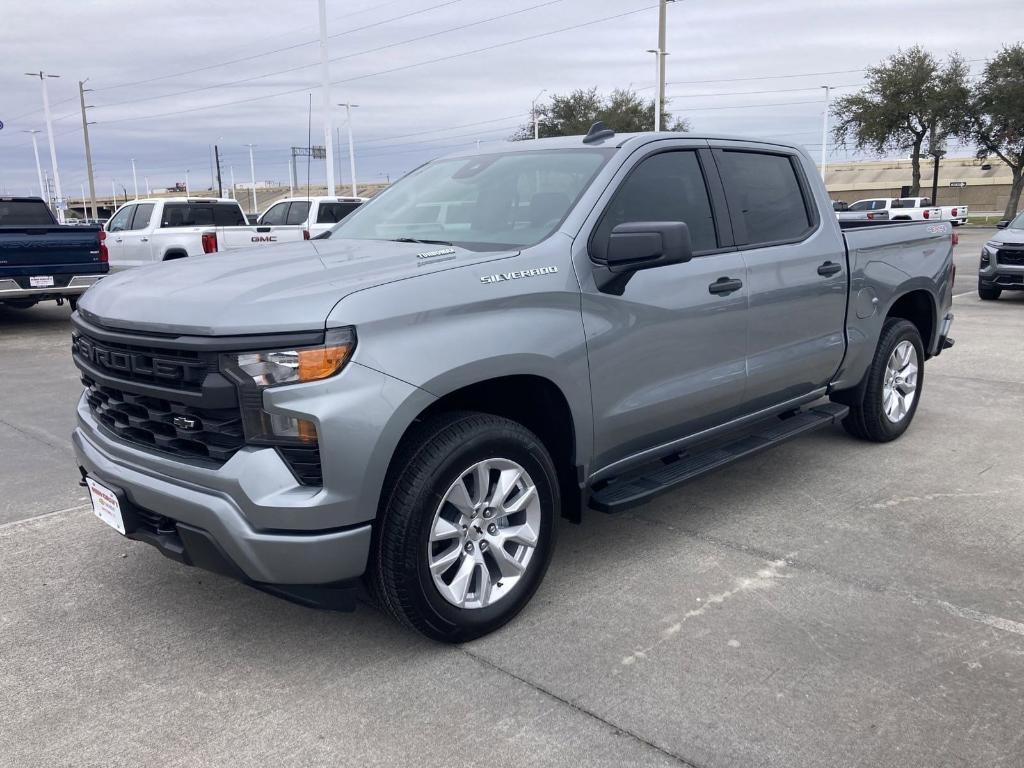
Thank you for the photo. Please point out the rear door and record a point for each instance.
(667, 355)
(796, 274)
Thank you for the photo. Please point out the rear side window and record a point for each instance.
(143, 213)
(24, 213)
(868, 205)
(228, 215)
(765, 197)
(668, 186)
(332, 213)
(298, 213)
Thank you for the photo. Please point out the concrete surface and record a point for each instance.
(827, 603)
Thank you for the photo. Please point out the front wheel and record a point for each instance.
(467, 528)
(886, 406)
(988, 292)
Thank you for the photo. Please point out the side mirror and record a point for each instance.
(1003, 224)
(638, 245)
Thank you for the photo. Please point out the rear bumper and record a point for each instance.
(77, 285)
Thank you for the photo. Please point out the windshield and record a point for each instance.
(486, 202)
(1018, 223)
(24, 212)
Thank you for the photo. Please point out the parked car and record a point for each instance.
(904, 209)
(152, 230)
(41, 260)
(1002, 260)
(416, 406)
(864, 210)
(314, 214)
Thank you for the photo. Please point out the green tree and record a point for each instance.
(909, 98)
(995, 117)
(571, 115)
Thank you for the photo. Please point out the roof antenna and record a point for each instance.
(597, 132)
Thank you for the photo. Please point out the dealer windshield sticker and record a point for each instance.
(502, 276)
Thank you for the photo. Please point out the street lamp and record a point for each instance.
(351, 148)
(39, 167)
(533, 112)
(824, 130)
(659, 70)
(53, 147)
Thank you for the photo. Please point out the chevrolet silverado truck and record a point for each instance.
(1002, 260)
(412, 408)
(149, 231)
(41, 260)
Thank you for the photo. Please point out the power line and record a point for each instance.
(289, 70)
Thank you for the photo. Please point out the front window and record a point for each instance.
(1018, 222)
(485, 202)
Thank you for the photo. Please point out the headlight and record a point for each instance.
(253, 372)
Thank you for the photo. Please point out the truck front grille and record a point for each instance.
(1011, 256)
(175, 428)
(174, 369)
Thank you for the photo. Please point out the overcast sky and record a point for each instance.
(172, 78)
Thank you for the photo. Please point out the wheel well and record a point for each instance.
(916, 307)
(539, 405)
(171, 255)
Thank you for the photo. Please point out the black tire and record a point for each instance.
(988, 292)
(73, 302)
(431, 458)
(867, 419)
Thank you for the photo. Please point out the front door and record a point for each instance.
(796, 274)
(138, 250)
(117, 227)
(668, 356)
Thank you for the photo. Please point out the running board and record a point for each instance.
(637, 487)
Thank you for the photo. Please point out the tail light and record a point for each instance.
(927, 215)
(104, 253)
(305, 234)
(953, 213)
(956, 238)
(209, 242)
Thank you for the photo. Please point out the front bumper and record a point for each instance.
(213, 521)
(77, 285)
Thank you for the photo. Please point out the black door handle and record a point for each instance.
(725, 285)
(829, 268)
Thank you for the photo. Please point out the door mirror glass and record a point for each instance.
(1003, 224)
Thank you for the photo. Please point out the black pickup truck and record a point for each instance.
(41, 260)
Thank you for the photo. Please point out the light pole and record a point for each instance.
(231, 170)
(533, 112)
(351, 150)
(135, 180)
(113, 190)
(88, 150)
(325, 74)
(146, 179)
(39, 167)
(252, 173)
(188, 192)
(824, 130)
(53, 148)
(85, 210)
(659, 73)
(663, 50)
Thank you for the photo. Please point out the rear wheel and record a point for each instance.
(886, 406)
(988, 292)
(467, 529)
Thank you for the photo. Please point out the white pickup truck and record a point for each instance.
(314, 214)
(904, 209)
(160, 229)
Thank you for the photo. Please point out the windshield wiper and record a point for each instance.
(416, 240)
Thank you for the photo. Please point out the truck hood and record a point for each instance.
(1009, 236)
(276, 289)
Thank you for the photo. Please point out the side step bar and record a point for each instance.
(638, 487)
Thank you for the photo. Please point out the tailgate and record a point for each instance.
(235, 238)
(48, 249)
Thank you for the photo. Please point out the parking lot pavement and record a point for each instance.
(826, 603)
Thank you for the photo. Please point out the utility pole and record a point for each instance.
(536, 117)
(659, 69)
(53, 147)
(325, 74)
(662, 52)
(824, 131)
(88, 150)
(351, 148)
(252, 172)
(220, 187)
(135, 179)
(39, 167)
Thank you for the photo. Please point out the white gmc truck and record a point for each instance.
(152, 230)
(903, 209)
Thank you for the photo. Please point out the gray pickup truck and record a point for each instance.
(501, 338)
